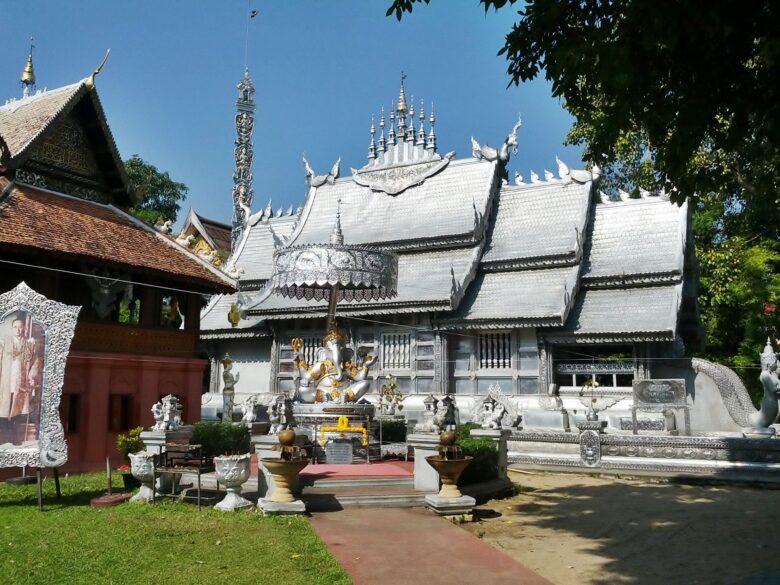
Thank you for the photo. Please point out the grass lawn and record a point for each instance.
(168, 542)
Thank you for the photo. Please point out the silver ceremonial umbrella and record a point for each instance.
(335, 272)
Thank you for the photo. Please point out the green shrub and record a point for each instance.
(393, 431)
(130, 442)
(464, 431)
(484, 467)
(220, 438)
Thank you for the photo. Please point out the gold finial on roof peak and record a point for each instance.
(402, 96)
(28, 74)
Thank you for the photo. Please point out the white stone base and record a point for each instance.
(267, 507)
(233, 501)
(759, 433)
(451, 507)
(145, 494)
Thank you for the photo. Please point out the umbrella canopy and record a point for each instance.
(354, 273)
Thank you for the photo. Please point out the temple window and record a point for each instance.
(396, 351)
(509, 359)
(606, 367)
(173, 308)
(69, 412)
(129, 311)
(119, 412)
(495, 350)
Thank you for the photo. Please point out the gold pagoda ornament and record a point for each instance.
(28, 74)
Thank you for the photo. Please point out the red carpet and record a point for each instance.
(384, 469)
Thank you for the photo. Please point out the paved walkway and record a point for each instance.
(412, 546)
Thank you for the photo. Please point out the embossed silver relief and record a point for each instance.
(590, 448)
(242, 175)
(35, 336)
(306, 271)
(397, 178)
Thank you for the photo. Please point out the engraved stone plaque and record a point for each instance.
(650, 392)
(339, 452)
(35, 336)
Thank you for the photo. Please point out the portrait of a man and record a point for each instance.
(21, 368)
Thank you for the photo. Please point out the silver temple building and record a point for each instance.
(529, 287)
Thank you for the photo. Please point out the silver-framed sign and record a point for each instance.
(35, 337)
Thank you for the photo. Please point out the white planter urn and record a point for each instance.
(232, 472)
(142, 468)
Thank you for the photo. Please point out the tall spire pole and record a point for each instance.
(242, 176)
(245, 122)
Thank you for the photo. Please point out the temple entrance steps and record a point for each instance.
(323, 487)
(377, 485)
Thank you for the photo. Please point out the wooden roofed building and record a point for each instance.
(512, 286)
(66, 231)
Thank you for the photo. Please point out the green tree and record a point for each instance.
(699, 82)
(681, 96)
(161, 194)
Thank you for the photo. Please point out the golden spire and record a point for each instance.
(28, 75)
(401, 108)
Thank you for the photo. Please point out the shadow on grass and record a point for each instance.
(28, 495)
(661, 533)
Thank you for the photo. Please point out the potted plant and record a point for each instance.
(127, 443)
(228, 445)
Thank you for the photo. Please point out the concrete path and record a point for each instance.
(412, 546)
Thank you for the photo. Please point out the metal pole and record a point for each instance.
(334, 294)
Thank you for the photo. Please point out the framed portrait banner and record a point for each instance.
(35, 337)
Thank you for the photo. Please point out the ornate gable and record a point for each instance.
(59, 140)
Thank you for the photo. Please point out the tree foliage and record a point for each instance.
(161, 194)
(682, 96)
(699, 82)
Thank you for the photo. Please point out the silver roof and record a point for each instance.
(538, 224)
(446, 209)
(638, 240)
(215, 314)
(518, 298)
(255, 252)
(639, 314)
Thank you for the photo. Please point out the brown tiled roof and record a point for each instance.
(34, 218)
(21, 121)
(26, 121)
(219, 232)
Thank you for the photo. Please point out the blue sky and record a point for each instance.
(320, 70)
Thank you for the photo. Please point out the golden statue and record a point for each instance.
(332, 377)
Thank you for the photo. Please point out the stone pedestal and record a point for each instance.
(280, 508)
(759, 433)
(500, 438)
(154, 441)
(425, 445)
(264, 448)
(455, 508)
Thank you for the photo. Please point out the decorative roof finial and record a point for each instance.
(402, 110)
(432, 134)
(402, 96)
(372, 144)
(90, 83)
(28, 75)
(421, 131)
(382, 144)
(391, 133)
(410, 133)
(337, 237)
